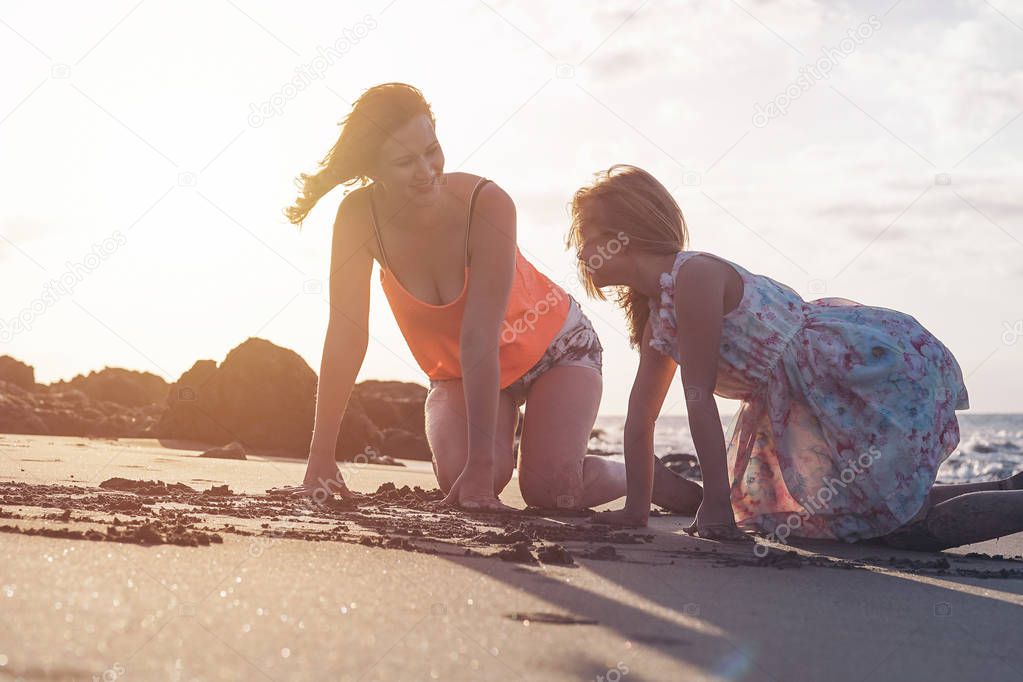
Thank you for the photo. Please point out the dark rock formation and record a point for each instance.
(262, 397)
(18, 373)
(116, 385)
(389, 415)
(683, 464)
(71, 413)
(110, 403)
(18, 411)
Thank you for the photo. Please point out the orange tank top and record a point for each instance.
(537, 308)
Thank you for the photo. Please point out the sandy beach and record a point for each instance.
(449, 243)
(154, 582)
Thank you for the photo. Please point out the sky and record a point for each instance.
(867, 150)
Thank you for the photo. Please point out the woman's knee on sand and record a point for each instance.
(446, 433)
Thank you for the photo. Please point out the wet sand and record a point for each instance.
(140, 559)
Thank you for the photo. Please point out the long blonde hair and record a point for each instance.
(378, 112)
(631, 202)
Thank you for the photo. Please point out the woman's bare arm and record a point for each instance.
(492, 244)
(344, 346)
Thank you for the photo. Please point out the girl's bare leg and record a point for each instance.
(446, 432)
(943, 492)
(965, 520)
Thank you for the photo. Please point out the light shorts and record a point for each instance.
(576, 343)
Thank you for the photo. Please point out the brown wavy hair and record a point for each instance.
(632, 202)
(378, 112)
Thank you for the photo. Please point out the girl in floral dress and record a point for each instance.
(847, 410)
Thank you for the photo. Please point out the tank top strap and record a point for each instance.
(376, 229)
(468, 221)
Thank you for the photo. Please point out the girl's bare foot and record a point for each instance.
(1014, 482)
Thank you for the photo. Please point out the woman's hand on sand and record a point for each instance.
(328, 480)
(322, 481)
(621, 517)
(473, 490)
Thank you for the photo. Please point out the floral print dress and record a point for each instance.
(847, 410)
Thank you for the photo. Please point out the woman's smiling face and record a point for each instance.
(410, 163)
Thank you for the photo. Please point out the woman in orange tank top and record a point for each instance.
(488, 329)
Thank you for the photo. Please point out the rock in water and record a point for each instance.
(683, 464)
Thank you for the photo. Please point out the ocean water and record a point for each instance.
(990, 445)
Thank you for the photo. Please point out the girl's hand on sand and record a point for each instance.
(621, 517)
(716, 523)
(473, 490)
